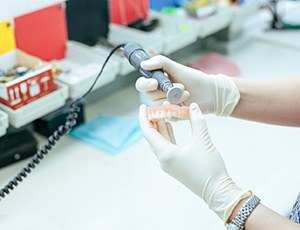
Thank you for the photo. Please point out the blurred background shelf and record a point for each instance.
(175, 34)
(121, 34)
(289, 39)
(103, 51)
(216, 22)
(81, 67)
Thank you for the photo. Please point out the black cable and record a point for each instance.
(61, 131)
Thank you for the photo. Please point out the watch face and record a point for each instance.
(231, 227)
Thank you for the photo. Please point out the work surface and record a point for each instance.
(80, 187)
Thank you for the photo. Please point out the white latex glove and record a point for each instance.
(215, 94)
(198, 164)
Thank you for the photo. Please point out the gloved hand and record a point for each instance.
(198, 164)
(215, 94)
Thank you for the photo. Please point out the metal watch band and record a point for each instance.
(245, 211)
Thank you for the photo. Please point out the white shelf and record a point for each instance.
(124, 67)
(3, 123)
(37, 108)
(121, 34)
(223, 18)
(220, 20)
(240, 17)
(84, 65)
(289, 38)
(175, 32)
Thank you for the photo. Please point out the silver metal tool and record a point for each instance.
(135, 55)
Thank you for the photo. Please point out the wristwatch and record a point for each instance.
(238, 223)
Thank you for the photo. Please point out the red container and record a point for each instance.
(28, 88)
(25, 89)
(43, 33)
(124, 12)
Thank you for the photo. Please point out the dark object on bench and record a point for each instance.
(16, 146)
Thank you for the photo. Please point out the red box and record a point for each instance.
(124, 12)
(43, 33)
(29, 87)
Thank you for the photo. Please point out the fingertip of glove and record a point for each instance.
(144, 85)
(144, 64)
(194, 109)
(152, 84)
(142, 107)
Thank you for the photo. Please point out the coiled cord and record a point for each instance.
(71, 121)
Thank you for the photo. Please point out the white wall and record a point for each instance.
(12, 8)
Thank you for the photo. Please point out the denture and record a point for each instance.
(171, 112)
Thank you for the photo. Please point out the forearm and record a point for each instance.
(263, 218)
(269, 101)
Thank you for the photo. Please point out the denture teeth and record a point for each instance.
(152, 116)
(174, 114)
(179, 115)
(169, 114)
(156, 115)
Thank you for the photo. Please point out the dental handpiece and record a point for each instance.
(135, 55)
